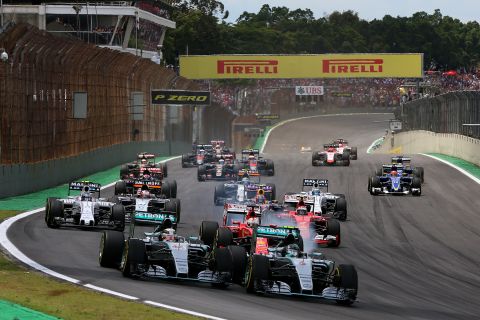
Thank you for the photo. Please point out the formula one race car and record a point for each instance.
(395, 183)
(147, 207)
(221, 170)
(167, 189)
(146, 161)
(238, 220)
(162, 254)
(85, 210)
(277, 265)
(243, 190)
(330, 156)
(221, 151)
(342, 145)
(201, 154)
(252, 162)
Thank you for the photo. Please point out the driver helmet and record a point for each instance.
(85, 195)
(316, 192)
(168, 234)
(302, 210)
(292, 251)
(221, 161)
(144, 161)
(251, 156)
(331, 149)
(394, 173)
(145, 194)
(146, 174)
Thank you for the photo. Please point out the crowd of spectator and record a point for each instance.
(389, 92)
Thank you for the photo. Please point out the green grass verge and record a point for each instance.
(67, 301)
(36, 291)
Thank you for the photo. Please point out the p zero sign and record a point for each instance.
(180, 97)
(380, 65)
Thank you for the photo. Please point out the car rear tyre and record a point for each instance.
(274, 191)
(173, 205)
(208, 231)
(353, 153)
(111, 249)
(347, 278)
(258, 269)
(55, 210)
(120, 188)
(134, 254)
(333, 229)
(223, 237)
(239, 263)
(219, 194)
(164, 168)
(202, 172)
(118, 217)
(341, 208)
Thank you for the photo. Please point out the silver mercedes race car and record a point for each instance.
(277, 265)
(162, 254)
(84, 210)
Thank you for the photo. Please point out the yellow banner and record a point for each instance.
(375, 65)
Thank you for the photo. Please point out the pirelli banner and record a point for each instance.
(180, 97)
(408, 65)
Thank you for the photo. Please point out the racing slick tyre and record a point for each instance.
(123, 171)
(173, 188)
(55, 210)
(201, 173)
(120, 188)
(417, 183)
(223, 237)
(134, 253)
(341, 209)
(274, 191)
(314, 159)
(208, 231)
(219, 193)
(369, 184)
(270, 167)
(223, 260)
(111, 249)
(174, 206)
(418, 172)
(258, 269)
(166, 189)
(300, 243)
(184, 160)
(379, 172)
(375, 183)
(239, 263)
(346, 278)
(164, 168)
(48, 204)
(333, 229)
(118, 217)
(341, 195)
(353, 153)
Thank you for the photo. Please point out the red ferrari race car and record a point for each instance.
(330, 156)
(299, 211)
(238, 221)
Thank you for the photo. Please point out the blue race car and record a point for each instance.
(395, 180)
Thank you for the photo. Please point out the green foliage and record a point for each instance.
(201, 27)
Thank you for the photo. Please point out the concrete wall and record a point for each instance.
(25, 178)
(451, 144)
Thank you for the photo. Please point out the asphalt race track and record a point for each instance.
(417, 258)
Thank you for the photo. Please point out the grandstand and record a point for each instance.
(138, 27)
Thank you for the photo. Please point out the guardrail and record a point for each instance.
(454, 112)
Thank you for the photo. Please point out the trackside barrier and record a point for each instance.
(454, 112)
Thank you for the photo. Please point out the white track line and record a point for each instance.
(281, 123)
(468, 174)
(14, 251)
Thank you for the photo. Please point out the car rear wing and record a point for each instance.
(387, 168)
(217, 142)
(155, 218)
(248, 151)
(145, 155)
(141, 183)
(402, 160)
(330, 145)
(295, 198)
(80, 185)
(241, 173)
(317, 183)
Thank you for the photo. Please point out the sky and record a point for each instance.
(464, 10)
